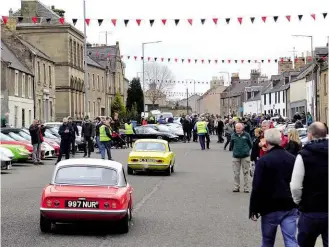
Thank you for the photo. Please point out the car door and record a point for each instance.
(129, 189)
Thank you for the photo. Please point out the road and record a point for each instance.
(193, 207)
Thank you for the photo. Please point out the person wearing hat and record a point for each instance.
(129, 131)
(201, 130)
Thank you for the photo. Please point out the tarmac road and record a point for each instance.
(193, 207)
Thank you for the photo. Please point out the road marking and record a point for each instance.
(107, 240)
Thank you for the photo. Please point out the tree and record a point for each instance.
(118, 106)
(158, 78)
(135, 96)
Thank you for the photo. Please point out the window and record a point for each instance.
(265, 100)
(283, 98)
(284, 112)
(16, 113)
(279, 112)
(150, 146)
(23, 117)
(30, 117)
(98, 87)
(325, 84)
(265, 112)
(29, 86)
(16, 83)
(50, 74)
(326, 114)
(51, 109)
(74, 53)
(23, 85)
(270, 98)
(88, 107)
(89, 81)
(71, 51)
(279, 93)
(39, 107)
(102, 84)
(39, 72)
(93, 81)
(44, 74)
(94, 109)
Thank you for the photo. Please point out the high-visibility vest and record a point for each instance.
(102, 134)
(129, 129)
(201, 127)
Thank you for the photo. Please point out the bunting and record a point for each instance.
(176, 22)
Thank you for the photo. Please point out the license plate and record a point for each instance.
(147, 160)
(81, 204)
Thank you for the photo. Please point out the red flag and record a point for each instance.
(240, 20)
(148, 59)
(176, 60)
(35, 19)
(281, 60)
(5, 19)
(190, 21)
(229, 61)
(313, 16)
(135, 57)
(138, 22)
(114, 22)
(288, 17)
(264, 19)
(269, 60)
(162, 59)
(309, 58)
(242, 61)
(61, 20)
(216, 60)
(202, 60)
(189, 60)
(215, 20)
(87, 21)
(164, 21)
(296, 60)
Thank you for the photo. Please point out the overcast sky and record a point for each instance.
(234, 41)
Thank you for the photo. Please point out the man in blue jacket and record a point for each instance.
(271, 197)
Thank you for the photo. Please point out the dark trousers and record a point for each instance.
(88, 146)
(207, 137)
(64, 149)
(129, 139)
(106, 147)
(228, 142)
(72, 144)
(202, 141)
(220, 136)
(310, 227)
(187, 135)
(195, 136)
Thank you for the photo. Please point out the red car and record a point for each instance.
(87, 190)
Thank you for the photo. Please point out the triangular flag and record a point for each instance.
(162, 59)
(324, 15)
(164, 21)
(202, 61)
(189, 60)
(74, 21)
(288, 17)
(262, 61)
(223, 61)
(264, 19)
(176, 21)
(216, 60)
(242, 61)
(62, 20)
(240, 20)
(195, 60)
(255, 61)
(148, 59)
(5, 19)
(100, 21)
(114, 22)
(236, 61)
(182, 60)
(135, 57)
(35, 19)
(215, 20)
(108, 54)
(269, 60)
(155, 59)
(176, 60)
(202, 21)
(151, 22)
(190, 21)
(168, 59)
(20, 19)
(138, 21)
(313, 16)
(252, 19)
(275, 18)
(128, 57)
(248, 61)
(229, 61)
(87, 21)
(142, 58)
(126, 22)
(47, 20)
(275, 60)
(296, 59)
(227, 20)
(209, 61)
(300, 17)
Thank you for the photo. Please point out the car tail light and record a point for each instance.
(159, 161)
(106, 205)
(134, 160)
(113, 205)
(49, 203)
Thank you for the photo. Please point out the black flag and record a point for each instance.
(223, 61)
(324, 15)
(168, 59)
(151, 22)
(195, 60)
(20, 19)
(275, 18)
(276, 60)
(227, 20)
(262, 61)
(126, 22)
(300, 17)
(252, 19)
(183, 60)
(202, 21)
(74, 21)
(100, 21)
(176, 21)
(155, 59)
(248, 61)
(236, 61)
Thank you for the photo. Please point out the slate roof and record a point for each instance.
(8, 56)
(265, 85)
(321, 51)
(35, 50)
(237, 88)
(93, 63)
(102, 58)
(304, 72)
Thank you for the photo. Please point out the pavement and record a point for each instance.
(193, 207)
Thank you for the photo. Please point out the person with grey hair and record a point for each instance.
(242, 144)
(309, 187)
(271, 198)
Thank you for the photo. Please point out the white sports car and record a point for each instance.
(5, 157)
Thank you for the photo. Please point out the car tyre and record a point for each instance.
(130, 171)
(159, 137)
(169, 170)
(172, 169)
(45, 224)
(125, 223)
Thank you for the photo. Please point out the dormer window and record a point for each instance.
(286, 80)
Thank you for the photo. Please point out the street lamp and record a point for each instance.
(194, 82)
(143, 44)
(313, 84)
(229, 92)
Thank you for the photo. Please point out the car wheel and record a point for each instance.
(124, 223)
(172, 169)
(168, 171)
(130, 171)
(159, 137)
(45, 224)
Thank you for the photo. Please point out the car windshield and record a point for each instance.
(4, 137)
(48, 134)
(150, 146)
(25, 135)
(16, 137)
(86, 175)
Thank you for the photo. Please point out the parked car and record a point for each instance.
(150, 133)
(53, 124)
(87, 190)
(20, 153)
(166, 129)
(5, 157)
(5, 139)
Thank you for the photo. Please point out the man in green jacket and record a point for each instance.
(242, 145)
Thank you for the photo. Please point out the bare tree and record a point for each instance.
(159, 80)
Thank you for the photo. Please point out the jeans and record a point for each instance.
(98, 143)
(228, 141)
(106, 146)
(36, 153)
(288, 224)
(310, 226)
(202, 141)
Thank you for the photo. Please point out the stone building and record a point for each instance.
(16, 89)
(322, 84)
(209, 102)
(43, 70)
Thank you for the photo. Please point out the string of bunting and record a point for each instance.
(164, 22)
(172, 94)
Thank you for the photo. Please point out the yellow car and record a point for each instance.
(151, 155)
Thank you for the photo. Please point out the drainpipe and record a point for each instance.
(34, 89)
